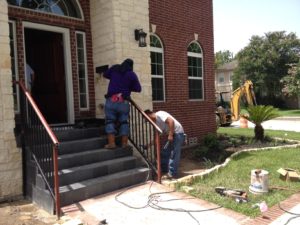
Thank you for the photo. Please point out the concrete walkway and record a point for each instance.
(281, 123)
(155, 204)
(166, 207)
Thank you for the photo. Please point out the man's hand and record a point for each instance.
(170, 137)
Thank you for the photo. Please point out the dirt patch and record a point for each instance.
(190, 167)
(24, 212)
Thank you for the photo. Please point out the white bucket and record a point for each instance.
(259, 182)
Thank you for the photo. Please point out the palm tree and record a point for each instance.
(259, 114)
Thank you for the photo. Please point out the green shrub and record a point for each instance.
(200, 152)
(211, 141)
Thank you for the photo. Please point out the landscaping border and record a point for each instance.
(190, 178)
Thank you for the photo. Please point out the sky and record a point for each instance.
(235, 21)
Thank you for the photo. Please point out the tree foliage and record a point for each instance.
(291, 81)
(266, 61)
(222, 57)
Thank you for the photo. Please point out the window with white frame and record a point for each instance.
(195, 71)
(221, 78)
(14, 68)
(157, 69)
(82, 71)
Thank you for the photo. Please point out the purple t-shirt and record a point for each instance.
(122, 83)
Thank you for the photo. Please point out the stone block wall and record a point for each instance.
(113, 23)
(10, 155)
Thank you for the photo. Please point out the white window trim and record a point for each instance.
(194, 54)
(16, 65)
(160, 50)
(86, 72)
(197, 55)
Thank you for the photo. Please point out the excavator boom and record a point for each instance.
(245, 90)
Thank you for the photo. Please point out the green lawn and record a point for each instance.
(236, 175)
(249, 132)
(289, 112)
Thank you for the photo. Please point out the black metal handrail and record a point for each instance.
(144, 135)
(39, 139)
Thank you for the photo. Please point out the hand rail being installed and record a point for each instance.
(42, 142)
(145, 136)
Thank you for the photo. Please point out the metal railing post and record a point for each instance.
(158, 160)
(56, 181)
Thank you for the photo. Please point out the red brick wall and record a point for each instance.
(21, 14)
(176, 22)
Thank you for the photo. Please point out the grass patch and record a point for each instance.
(289, 112)
(249, 132)
(236, 175)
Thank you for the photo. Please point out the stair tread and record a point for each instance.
(85, 183)
(68, 155)
(83, 140)
(95, 165)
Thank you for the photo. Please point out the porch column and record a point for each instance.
(10, 155)
(113, 23)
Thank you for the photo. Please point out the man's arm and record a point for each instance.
(170, 122)
(135, 86)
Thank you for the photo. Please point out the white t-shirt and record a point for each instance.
(161, 117)
(29, 74)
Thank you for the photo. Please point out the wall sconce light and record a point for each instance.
(140, 36)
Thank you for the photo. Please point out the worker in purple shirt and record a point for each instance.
(122, 81)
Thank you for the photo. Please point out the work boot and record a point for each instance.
(124, 141)
(111, 142)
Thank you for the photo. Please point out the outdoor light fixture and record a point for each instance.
(140, 36)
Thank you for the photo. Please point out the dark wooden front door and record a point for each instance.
(45, 54)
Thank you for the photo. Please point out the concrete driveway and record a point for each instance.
(281, 123)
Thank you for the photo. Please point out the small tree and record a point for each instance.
(291, 82)
(259, 114)
(222, 57)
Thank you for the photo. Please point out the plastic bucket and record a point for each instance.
(259, 181)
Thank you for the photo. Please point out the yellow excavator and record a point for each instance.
(224, 115)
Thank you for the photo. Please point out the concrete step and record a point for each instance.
(76, 134)
(76, 192)
(89, 171)
(80, 145)
(91, 156)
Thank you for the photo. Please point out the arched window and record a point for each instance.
(157, 68)
(68, 8)
(195, 71)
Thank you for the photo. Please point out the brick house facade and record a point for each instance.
(106, 32)
(178, 23)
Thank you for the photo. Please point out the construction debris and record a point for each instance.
(288, 174)
(239, 195)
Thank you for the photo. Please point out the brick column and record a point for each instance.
(113, 23)
(10, 155)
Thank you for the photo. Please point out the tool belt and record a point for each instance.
(117, 97)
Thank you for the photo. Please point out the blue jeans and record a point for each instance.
(116, 112)
(173, 153)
